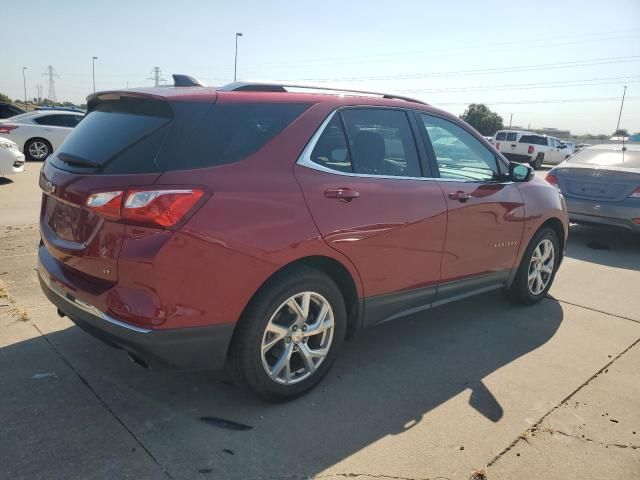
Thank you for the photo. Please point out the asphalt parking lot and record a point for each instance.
(550, 391)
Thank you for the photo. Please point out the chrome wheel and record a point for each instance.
(541, 267)
(297, 338)
(38, 150)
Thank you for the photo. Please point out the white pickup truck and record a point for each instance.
(530, 147)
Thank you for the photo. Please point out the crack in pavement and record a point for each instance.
(594, 309)
(104, 403)
(536, 427)
(586, 440)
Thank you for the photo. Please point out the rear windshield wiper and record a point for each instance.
(75, 160)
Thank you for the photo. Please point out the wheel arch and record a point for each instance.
(556, 225)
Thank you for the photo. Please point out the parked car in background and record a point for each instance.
(8, 110)
(601, 185)
(39, 133)
(489, 139)
(530, 147)
(254, 226)
(11, 159)
(569, 149)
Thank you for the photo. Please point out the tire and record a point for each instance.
(270, 322)
(37, 149)
(521, 291)
(537, 162)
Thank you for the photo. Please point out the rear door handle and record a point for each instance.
(460, 196)
(342, 194)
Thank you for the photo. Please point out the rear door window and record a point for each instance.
(381, 142)
(501, 136)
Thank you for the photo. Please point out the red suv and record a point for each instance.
(255, 226)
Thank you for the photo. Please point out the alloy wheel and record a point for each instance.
(39, 150)
(541, 267)
(297, 338)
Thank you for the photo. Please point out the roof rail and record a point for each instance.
(282, 87)
(180, 80)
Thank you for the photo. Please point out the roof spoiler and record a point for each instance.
(180, 80)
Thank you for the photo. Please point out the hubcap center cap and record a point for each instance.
(296, 337)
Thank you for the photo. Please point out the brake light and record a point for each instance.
(635, 193)
(497, 145)
(6, 128)
(106, 204)
(530, 149)
(163, 208)
(553, 180)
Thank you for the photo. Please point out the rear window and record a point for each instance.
(141, 136)
(533, 139)
(511, 136)
(607, 158)
(501, 135)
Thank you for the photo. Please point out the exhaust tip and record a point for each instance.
(137, 360)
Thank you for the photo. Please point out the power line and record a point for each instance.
(533, 102)
(485, 71)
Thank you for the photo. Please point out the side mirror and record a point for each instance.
(520, 173)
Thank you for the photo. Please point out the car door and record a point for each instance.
(485, 211)
(56, 127)
(362, 181)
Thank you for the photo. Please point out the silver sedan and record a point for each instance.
(601, 185)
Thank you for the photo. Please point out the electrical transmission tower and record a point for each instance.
(52, 85)
(156, 76)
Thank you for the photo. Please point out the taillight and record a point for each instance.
(530, 149)
(635, 193)
(162, 208)
(5, 128)
(553, 180)
(497, 145)
(106, 204)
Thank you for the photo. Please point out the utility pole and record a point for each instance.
(52, 85)
(156, 76)
(39, 88)
(621, 105)
(510, 119)
(235, 62)
(24, 84)
(93, 69)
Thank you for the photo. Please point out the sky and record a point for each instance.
(547, 63)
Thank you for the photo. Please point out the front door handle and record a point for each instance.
(460, 196)
(342, 194)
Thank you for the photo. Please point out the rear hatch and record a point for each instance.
(114, 148)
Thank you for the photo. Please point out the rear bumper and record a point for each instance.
(195, 348)
(604, 213)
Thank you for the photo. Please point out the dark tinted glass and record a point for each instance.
(511, 137)
(533, 139)
(501, 136)
(331, 150)
(381, 142)
(225, 134)
(607, 158)
(138, 136)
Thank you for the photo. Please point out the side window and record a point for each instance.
(47, 120)
(511, 136)
(331, 150)
(70, 120)
(460, 156)
(501, 136)
(552, 142)
(381, 142)
(57, 120)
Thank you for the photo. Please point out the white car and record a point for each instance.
(11, 160)
(39, 133)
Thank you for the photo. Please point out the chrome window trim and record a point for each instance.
(304, 159)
